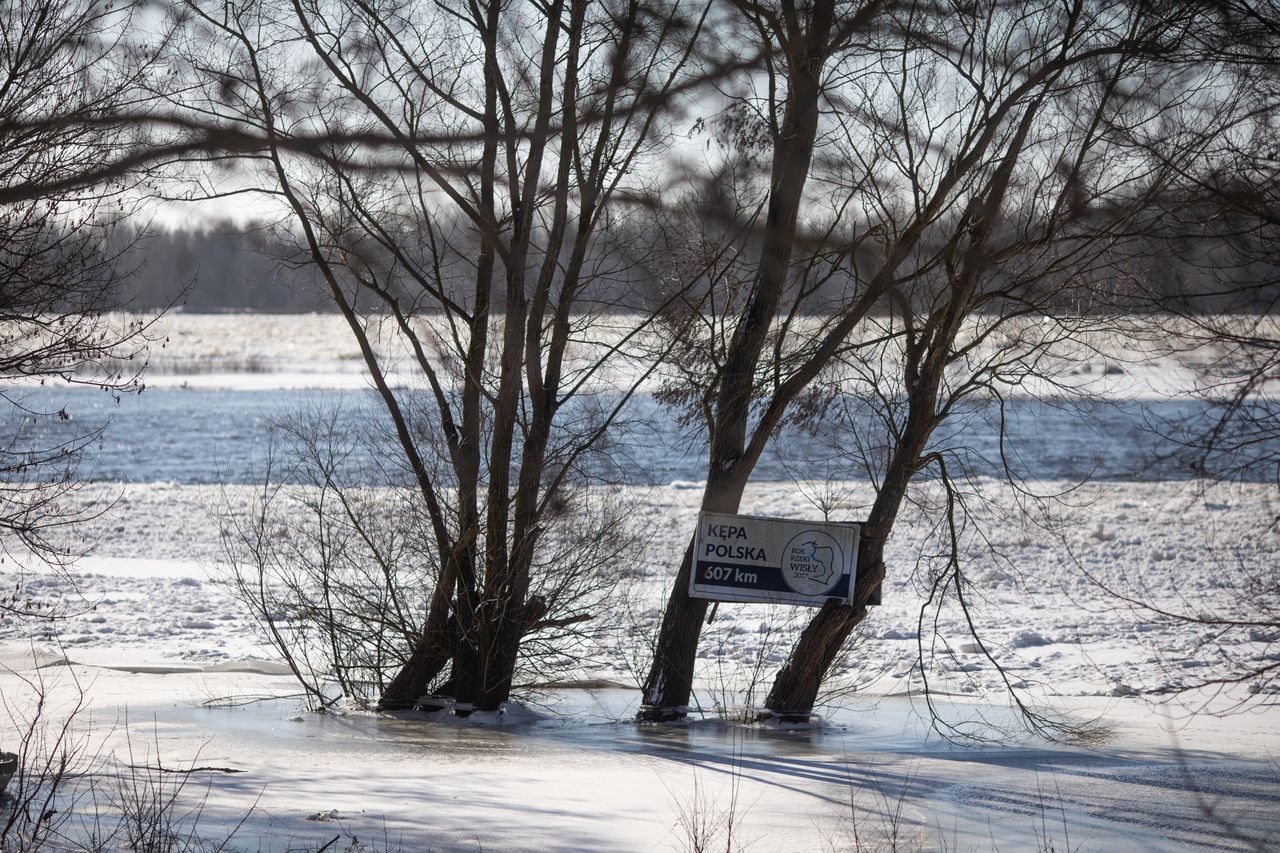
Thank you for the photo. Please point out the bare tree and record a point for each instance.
(1214, 292)
(480, 255)
(64, 67)
(797, 43)
(974, 179)
(338, 562)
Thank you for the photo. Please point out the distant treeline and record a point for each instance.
(227, 267)
(223, 267)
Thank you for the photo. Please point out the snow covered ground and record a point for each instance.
(158, 636)
(166, 653)
(145, 593)
(1122, 359)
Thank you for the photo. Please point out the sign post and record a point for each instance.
(746, 558)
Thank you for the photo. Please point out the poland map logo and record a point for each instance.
(812, 563)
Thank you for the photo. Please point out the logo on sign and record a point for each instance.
(811, 563)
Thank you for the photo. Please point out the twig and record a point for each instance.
(188, 771)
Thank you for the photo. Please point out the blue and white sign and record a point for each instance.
(778, 561)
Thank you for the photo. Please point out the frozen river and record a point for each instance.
(580, 777)
(209, 436)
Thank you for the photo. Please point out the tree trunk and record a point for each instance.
(670, 682)
(426, 661)
(669, 686)
(795, 688)
(430, 654)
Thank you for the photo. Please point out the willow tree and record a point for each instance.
(797, 43)
(961, 159)
(480, 233)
